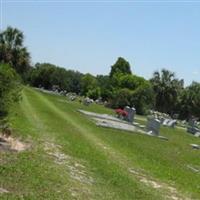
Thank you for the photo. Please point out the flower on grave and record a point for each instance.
(121, 112)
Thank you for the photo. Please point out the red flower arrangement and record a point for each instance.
(121, 112)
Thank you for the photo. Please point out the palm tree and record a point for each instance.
(13, 51)
(12, 37)
(190, 101)
(167, 89)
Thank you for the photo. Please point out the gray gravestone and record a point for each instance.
(87, 101)
(192, 127)
(153, 126)
(127, 108)
(192, 122)
(131, 113)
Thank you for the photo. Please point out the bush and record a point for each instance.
(9, 88)
(94, 93)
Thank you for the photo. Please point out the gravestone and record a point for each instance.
(87, 101)
(162, 119)
(72, 98)
(197, 134)
(127, 108)
(192, 127)
(55, 88)
(165, 122)
(153, 126)
(131, 113)
(192, 122)
(195, 146)
(172, 123)
(175, 116)
(99, 101)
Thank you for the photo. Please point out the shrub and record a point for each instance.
(9, 88)
(94, 93)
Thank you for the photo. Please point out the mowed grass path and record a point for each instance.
(72, 158)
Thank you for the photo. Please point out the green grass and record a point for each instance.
(106, 154)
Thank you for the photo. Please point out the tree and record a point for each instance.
(134, 91)
(130, 81)
(121, 66)
(88, 82)
(73, 79)
(58, 76)
(167, 89)
(189, 105)
(142, 97)
(13, 51)
(121, 98)
(46, 75)
(106, 88)
(41, 75)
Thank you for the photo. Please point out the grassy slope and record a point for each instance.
(106, 154)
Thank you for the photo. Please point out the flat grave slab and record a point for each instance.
(117, 125)
(102, 116)
(109, 121)
(195, 146)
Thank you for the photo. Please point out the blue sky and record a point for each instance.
(89, 36)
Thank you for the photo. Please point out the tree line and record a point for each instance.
(164, 92)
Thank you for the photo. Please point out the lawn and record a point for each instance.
(71, 158)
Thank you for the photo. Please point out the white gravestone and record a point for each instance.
(172, 123)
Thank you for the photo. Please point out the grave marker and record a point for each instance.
(153, 126)
(192, 127)
(131, 113)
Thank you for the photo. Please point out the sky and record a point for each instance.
(89, 36)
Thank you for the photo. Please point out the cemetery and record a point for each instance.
(109, 122)
(123, 127)
(124, 120)
(127, 115)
